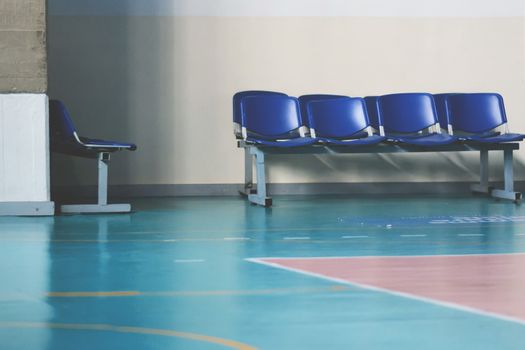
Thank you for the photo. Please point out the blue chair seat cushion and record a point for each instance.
(428, 140)
(296, 142)
(369, 140)
(496, 138)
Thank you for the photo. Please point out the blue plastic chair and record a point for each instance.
(65, 139)
(341, 122)
(411, 118)
(477, 116)
(237, 98)
(274, 121)
(304, 99)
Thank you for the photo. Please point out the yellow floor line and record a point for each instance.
(270, 291)
(129, 330)
(93, 294)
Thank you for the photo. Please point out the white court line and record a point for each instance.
(380, 256)
(405, 236)
(295, 238)
(236, 238)
(188, 261)
(350, 237)
(470, 234)
(519, 234)
(393, 292)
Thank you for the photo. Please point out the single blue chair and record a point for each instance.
(237, 106)
(478, 116)
(64, 139)
(341, 122)
(273, 121)
(304, 99)
(411, 118)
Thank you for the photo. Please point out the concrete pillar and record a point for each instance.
(24, 144)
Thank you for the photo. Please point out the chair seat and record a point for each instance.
(104, 145)
(370, 140)
(90, 148)
(297, 142)
(426, 140)
(497, 138)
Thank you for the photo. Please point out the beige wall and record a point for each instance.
(166, 83)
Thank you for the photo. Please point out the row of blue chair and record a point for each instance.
(267, 122)
(274, 119)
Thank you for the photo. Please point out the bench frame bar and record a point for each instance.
(257, 193)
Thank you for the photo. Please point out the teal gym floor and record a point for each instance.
(219, 273)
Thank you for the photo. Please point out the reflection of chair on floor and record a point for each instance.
(64, 139)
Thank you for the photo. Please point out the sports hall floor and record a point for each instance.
(419, 272)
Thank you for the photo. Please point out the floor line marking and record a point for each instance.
(408, 236)
(236, 238)
(198, 293)
(404, 225)
(471, 234)
(188, 261)
(94, 294)
(295, 238)
(350, 237)
(232, 344)
(393, 292)
(377, 256)
(520, 234)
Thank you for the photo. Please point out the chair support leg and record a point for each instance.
(103, 160)
(508, 176)
(248, 173)
(102, 205)
(260, 197)
(483, 186)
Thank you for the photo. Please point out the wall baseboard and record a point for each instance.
(62, 193)
(27, 208)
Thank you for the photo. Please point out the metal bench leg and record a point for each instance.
(102, 205)
(483, 186)
(508, 175)
(248, 173)
(103, 161)
(260, 197)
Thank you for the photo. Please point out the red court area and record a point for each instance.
(492, 284)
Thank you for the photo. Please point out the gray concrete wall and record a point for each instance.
(23, 66)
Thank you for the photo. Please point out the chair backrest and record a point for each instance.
(304, 99)
(270, 116)
(441, 110)
(373, 112)
(240, 95)
(60, 124)
(476, 113)
(338, 118)
(408, 112)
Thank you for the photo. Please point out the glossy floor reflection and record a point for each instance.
(175, 275)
